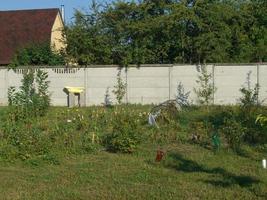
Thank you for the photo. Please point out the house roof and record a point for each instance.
(19, 28)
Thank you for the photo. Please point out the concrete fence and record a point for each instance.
(145, 84)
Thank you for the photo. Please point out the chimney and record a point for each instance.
(63, 13)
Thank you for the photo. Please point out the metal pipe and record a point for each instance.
(63, 13)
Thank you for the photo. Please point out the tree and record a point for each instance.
(169, 31)
(206, 90)
(37, 54)
(87, 42)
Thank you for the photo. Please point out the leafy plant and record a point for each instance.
(120, 88)
(234, 133)
(11, 95)
(125, 134)
(249, 95)
(37, 54)
(262, 120)
(31, 100)
(206, 90)
(249, 104)
(42, 91)
(182, 96)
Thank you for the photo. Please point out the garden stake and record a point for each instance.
(216, 141)
(93, 138)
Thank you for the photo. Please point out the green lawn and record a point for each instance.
(187, 172)
(50, 158)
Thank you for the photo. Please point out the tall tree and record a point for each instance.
(169, 31)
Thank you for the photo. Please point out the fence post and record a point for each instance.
(170, 80)
(126, 81)
(213, 83)
(85, 86)
(258, 81)
(6, 85)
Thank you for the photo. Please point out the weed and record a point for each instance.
(119, 89)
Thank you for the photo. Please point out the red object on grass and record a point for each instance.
(160, 155)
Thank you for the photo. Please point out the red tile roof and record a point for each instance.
(20, 28)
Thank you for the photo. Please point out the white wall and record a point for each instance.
(263, 82)
(229, 79)
(3, 86)
(59, 79)
(146, 84)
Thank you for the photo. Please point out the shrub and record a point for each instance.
(182, 96)
(255, 134)
(218, 114)
(37, 54)
(120, 88)
(250, 95)
(125, 134)
(20, 128)
(30, 101)
(206, 89)
(234, 133)
(249, 104)
(25, 138)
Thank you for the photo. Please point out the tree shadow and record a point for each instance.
(245, 154)
(182, 164)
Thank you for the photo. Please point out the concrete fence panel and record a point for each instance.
(100, 81)
(60, 78)
(145, 84)
(148, 85)
(187, 76)
(3, 87)
(228, 81)
(262, 76)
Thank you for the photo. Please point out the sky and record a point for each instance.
(70, 5)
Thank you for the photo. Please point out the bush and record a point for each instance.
(25, 139)
(37, 54)
(234, 133)
(218, 114)
(253, 132)
(120, 88)
(206, 89)
(182, 97)
(30, 101)
(125, 134)
(250, 95)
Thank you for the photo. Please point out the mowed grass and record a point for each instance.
(187, 172)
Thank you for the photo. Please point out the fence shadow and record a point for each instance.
(185, 165)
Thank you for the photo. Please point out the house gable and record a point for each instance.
(57, 39)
